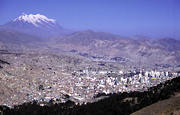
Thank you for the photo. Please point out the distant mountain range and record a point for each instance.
(29, 30)
(38, 25)
(161, 53)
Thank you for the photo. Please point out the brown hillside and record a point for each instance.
(166, 107)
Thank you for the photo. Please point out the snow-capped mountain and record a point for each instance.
(36, 20)
(36, 24)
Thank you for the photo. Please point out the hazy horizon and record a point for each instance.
(127, 18)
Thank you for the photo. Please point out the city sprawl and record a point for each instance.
(45, 77)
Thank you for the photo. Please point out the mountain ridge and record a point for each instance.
(160, 53)
(37, 24)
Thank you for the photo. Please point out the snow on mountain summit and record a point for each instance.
(34, 19)
(36, 24)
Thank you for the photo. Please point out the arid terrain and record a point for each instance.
(39, 63)
(166, 107)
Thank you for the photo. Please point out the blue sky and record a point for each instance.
(154, 18)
